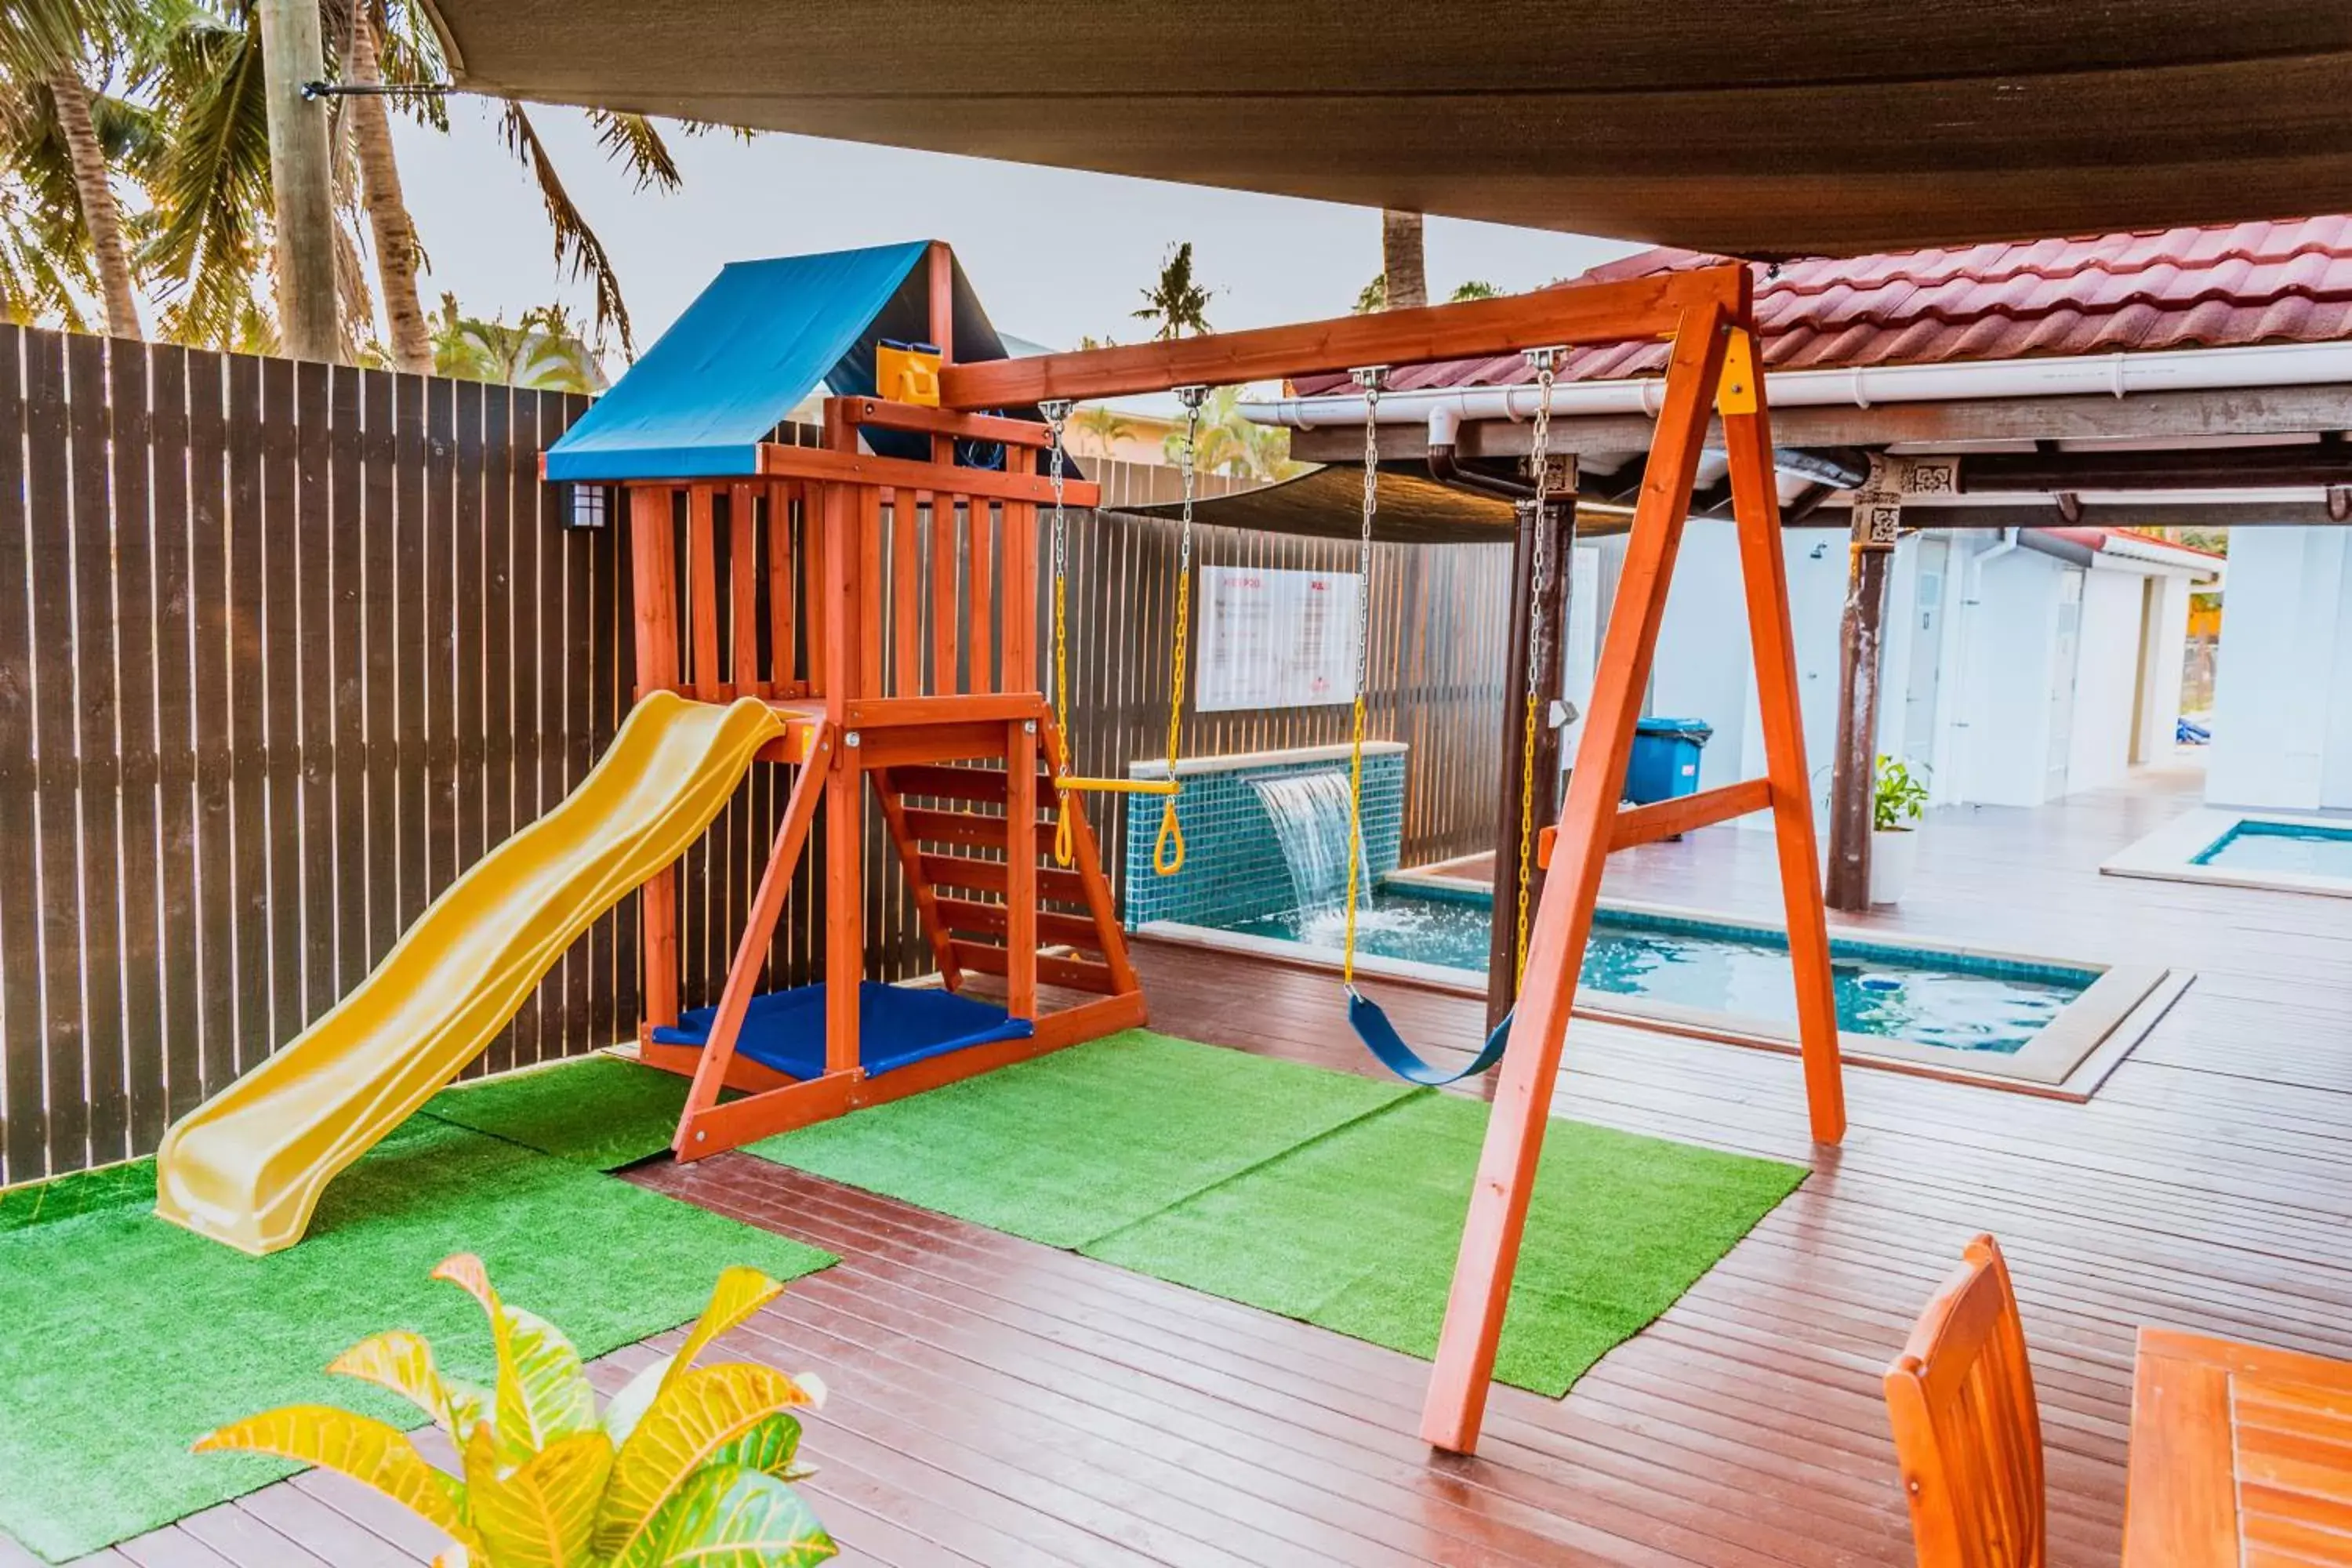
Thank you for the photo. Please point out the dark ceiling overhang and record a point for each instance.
(1754, 127)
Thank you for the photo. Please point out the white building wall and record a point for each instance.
(1701, 670)
(2107, 679)
(2282, 682)
(2165, 661)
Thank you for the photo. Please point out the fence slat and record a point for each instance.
(23, 1118)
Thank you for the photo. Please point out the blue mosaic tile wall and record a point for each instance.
(1234, 868)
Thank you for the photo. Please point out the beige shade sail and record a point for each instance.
(1751, 127)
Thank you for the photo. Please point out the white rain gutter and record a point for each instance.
(2109, 376)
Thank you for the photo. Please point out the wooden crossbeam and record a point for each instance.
(1590, 313)
(905, 473)
(1664, 818)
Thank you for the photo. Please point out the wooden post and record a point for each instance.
(301, 180)
(1506, 1167)
(1021, 868)
(1755, 506)
(1546, 624)
(850, 510)
(1853, 769)
(653, 557)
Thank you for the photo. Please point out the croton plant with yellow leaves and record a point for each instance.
(686, 1464)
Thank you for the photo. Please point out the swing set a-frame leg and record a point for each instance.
(1506, 1170)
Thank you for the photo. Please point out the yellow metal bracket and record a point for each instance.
(1735, 393)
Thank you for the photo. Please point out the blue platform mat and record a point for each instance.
(898, 1026)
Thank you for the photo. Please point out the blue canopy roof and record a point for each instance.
(760, 338)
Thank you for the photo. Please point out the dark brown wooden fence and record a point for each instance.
(284, 647)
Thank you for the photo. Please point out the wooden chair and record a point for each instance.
(1967, 1430)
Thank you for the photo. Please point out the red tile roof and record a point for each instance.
(2204, 287)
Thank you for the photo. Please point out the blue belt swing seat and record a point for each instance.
(1365, 1015)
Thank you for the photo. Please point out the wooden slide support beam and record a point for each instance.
(1664, 818)
(865, 469)
(759, 932)
(1459, 1381)
(949, 422)
(1590, 313)
(795, 1105)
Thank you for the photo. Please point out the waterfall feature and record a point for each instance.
(1310, 816)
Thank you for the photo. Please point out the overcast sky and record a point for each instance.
(1055, 255)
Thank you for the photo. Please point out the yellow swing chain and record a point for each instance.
(1058, 414)
(1369, 378)
(1168, 848)
(1539, 459)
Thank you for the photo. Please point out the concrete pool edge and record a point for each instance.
(2169, 854)
(2068, 1059)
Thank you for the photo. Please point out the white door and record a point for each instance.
(2062, 660)
(1926, 652)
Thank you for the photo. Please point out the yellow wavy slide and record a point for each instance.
(247, 1166)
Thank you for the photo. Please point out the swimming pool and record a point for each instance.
(2297, 849)
(1953, 1001)
(2022, 1022)
(2245, 849)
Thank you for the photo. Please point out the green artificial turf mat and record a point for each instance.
(1081, 1143)
(599, 1111)
(127, 1338)
(125, 1186)
(1358, 1232)
(1320, 1196)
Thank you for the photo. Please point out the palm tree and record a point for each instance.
(1106, 426)
(397, 250)
(1404, 268)
(1175, 304)
(212, 194)
(60, 140)
(542, 350)
(1230, 445)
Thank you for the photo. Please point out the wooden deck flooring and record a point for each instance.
(996, 1402)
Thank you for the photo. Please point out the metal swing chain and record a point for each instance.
(1369, 378)
(1168, 848)
(1057, 413)
(1544, 361)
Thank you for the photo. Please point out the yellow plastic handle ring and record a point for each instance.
(1062, 846)
(1168, 849)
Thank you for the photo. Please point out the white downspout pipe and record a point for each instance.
(2106, 376)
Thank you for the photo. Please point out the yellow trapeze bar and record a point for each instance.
(1118, 786)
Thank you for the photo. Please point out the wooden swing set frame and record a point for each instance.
(860, 716)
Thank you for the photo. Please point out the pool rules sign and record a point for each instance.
(1276, 639)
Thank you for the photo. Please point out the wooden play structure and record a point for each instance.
(864, 614)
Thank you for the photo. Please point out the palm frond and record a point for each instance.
(632, 141)
(408, 54)
(211, 184)
(41, 280)
(577, 248)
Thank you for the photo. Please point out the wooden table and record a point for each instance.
(2239, 1455)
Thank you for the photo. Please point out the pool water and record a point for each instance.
(2298, 849)
(1957, 1001)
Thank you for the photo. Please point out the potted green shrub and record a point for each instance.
(1899, 800)
(685, 1465)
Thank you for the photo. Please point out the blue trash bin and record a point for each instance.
(1665, 759)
